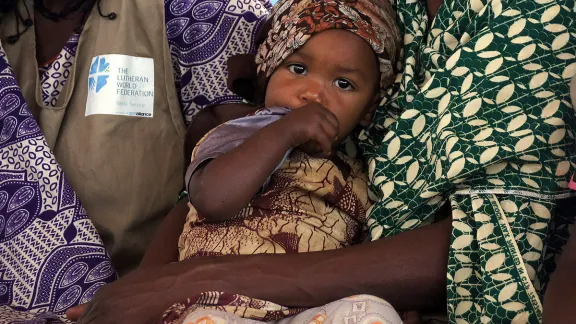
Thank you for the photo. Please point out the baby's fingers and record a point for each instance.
(325, 137)
(332, 120)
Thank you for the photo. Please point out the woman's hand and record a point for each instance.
(408, 270)
(140, 297)
(75, 313)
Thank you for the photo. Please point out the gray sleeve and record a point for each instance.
(228, 136)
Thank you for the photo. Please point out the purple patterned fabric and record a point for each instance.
(52, 256)
(202, 36)
(54, 75)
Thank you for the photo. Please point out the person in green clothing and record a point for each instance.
(484, 124)
(484, 96)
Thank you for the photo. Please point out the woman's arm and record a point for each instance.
(560, 297)
(408, 270)
(164, 246)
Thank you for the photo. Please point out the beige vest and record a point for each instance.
(127, 171)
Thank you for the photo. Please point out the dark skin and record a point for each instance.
(257, 158)
(408, 270)
(207, 119)
(163, 248)
(51, 36)
(560, 298)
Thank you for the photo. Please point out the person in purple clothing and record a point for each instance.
(95, 98)
(69, 134)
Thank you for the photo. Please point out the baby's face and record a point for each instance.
(335, 68)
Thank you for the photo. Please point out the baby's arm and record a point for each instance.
(225, 185)
(163, 248)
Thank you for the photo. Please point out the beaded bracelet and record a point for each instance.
(182, 195)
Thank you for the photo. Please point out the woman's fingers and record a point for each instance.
(74, 313)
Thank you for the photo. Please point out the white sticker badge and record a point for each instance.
(121, 85)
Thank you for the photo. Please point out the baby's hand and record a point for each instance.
(312, 126)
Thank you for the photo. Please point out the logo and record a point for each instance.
(99, 74)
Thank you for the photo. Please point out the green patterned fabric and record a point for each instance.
(481, 118)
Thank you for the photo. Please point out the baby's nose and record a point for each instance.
(313, 92)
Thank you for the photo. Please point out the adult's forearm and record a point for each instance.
(408, 270)
(560, 296)
(164, 246)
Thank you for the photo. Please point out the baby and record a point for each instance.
(274, 182)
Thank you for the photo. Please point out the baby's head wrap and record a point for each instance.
(293, 22)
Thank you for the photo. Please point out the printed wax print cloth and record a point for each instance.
(54, 74)
(308, 204)
(202, 35)
(222, 308)
(51, 257)
(481, 119)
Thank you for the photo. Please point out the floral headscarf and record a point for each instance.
(293, 22)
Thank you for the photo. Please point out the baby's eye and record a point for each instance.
(297, 69)
(343, 84)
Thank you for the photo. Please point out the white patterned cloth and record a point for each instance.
(223, 308)
(51, 255)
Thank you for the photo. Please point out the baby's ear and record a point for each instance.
(369, 112)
